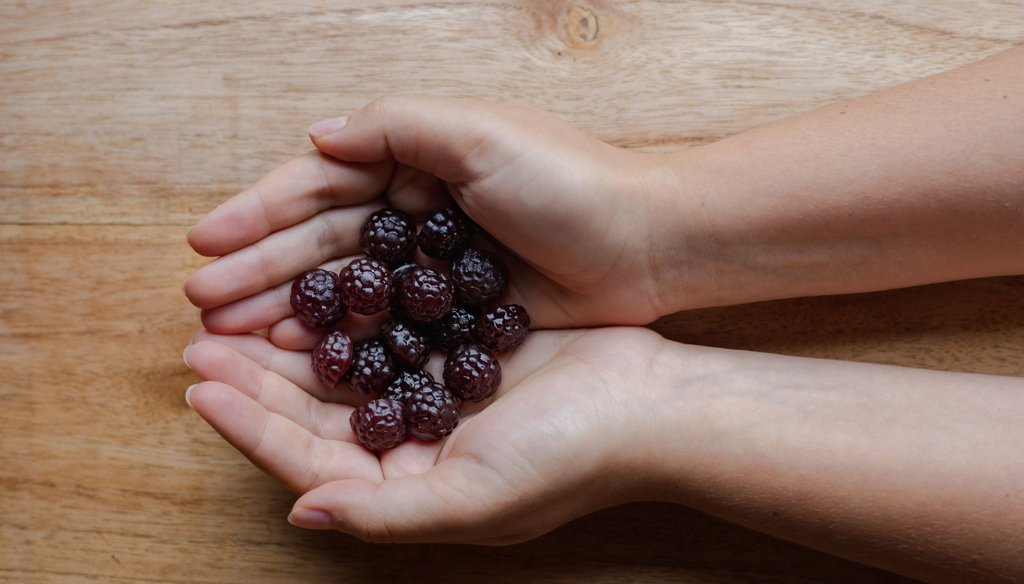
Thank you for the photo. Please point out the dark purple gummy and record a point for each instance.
(431, 413)
(372, 367)
(445, 234)
(407, 342)
(397, 272)
(454, 328)
(405, 383)
(379, 424)
(332, 357)
(316, 298)
(396, 306)
(472, 372)
(503, 328)
(479, 276)
(388, 235)
(366, 286)
(425, 295)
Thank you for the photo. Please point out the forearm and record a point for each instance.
(914, 471)
(920, 183)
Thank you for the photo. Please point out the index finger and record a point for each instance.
(289, 194)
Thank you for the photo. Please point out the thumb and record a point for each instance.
(443, 505)
(436, 135)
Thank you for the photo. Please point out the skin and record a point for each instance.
(907, 470)
(913, 471)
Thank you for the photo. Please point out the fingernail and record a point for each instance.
(188, 395)
(327, 127)
(311, 519)
(183, 284)
(184, 354)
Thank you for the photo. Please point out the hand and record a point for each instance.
(557, 441)
(572, 214)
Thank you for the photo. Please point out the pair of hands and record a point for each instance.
(577, 222)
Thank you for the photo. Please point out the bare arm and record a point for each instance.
(920, 183)
(915, 471)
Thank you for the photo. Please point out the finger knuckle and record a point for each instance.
(383, 105)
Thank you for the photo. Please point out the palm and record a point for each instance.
(539, 440)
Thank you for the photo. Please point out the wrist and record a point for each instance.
(667, 392)
(683, 267)
(728, 226)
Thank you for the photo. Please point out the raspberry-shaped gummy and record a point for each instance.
(332, 357)
(405, 383)
(479, 276)
(366, 286)
(503, 328)
(407, 342)
(445, 234)
(454, 328)
(379, 424)
(372, 367)
(316, 298)
(425, 295)
(396, 307)
(388, 235)
(397, 272)
(431, 413)
(472, 372)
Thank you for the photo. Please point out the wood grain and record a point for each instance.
(122, 122)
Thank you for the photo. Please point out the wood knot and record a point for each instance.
(581, 27)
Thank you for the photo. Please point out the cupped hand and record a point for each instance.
(558, 440)
(573, 217)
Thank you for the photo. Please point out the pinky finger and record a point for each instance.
(293, 335)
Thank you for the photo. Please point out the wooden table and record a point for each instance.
(123, 122)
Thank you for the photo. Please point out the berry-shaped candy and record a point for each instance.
(405, 383)
(388, 235)
(366, 286)
(431, 412)
(503, 328)
(397, 272)
(407, 342)
(445, 234)
(396, 306)
(332, 357)
(472, 373)
(479, 276)
(316, 298)
(372, 367)
(379, 424)
(454, 328)
(425, 295)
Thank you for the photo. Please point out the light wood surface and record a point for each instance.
(122, 122)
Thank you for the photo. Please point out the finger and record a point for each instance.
(417, 193)
(279, 447)
(293, 366)
(291, 193)
(451, 503)
(412, 457)
(216, 361)
(294, 335)
(250, 314)
(260, 310)
(433, 134)
(279, 257)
